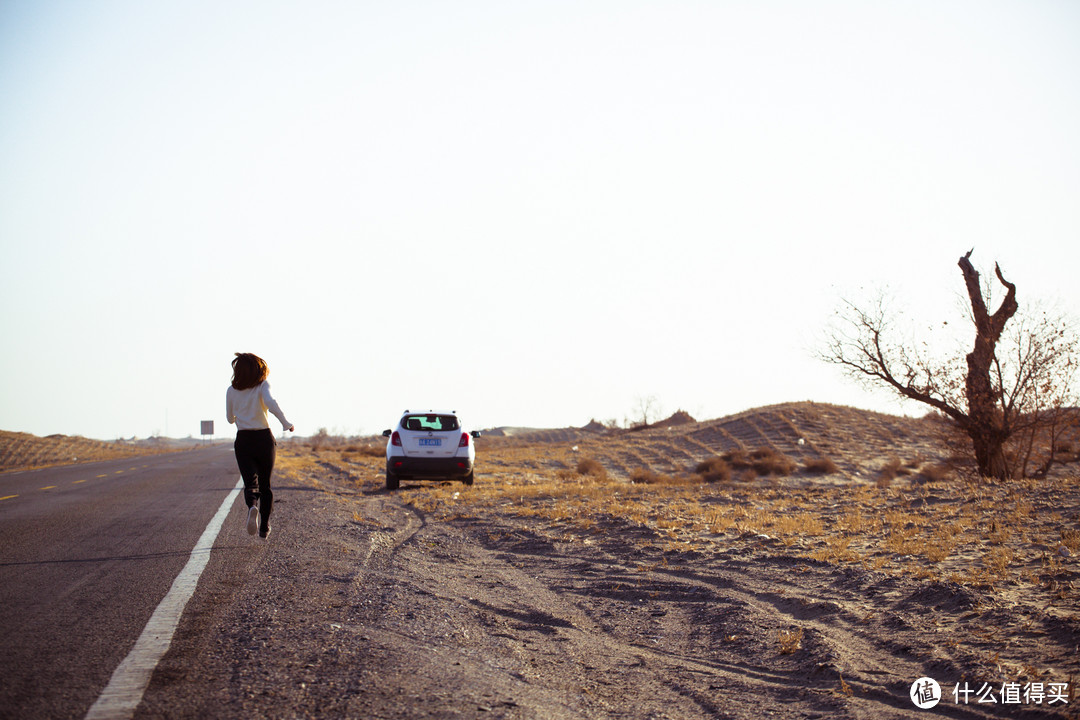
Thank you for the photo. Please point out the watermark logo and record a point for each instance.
(925, 693)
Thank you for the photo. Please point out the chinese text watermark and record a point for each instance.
(927, 693)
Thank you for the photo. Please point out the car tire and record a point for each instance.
(468, 479)
(392, 481)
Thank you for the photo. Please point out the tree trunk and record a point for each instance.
(986, 425)
(990, 455)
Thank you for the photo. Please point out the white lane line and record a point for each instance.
(125, 690)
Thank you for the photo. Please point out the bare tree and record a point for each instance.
(647, 407)
(1010, 398)
(1037, 377)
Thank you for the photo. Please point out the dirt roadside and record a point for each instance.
(361, 606)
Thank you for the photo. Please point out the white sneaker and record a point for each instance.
(265, 533)
(253, 519)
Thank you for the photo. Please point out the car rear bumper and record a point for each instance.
(429, 467)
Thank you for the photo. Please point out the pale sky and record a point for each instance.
(532, 212)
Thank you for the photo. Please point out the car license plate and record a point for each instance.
(430, 442)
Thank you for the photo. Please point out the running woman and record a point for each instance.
(246, 403)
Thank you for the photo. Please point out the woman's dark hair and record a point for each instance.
(248, 371)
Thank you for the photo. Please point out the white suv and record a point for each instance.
(429, 445)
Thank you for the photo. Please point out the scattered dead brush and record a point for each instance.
(923, 524)
(22, 451)
(746, 466)
(913, 530)
(1008, 543)
(760, 462)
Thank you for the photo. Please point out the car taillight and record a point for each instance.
(464, 440)
(395, 439)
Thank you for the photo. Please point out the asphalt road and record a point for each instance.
(86, 554)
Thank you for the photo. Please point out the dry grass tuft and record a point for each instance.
(791, 641)
(791, 526)
(943, 543)
(837, 549)
(996, 562)
(1071, 539)
(646, 476)
(857, 522)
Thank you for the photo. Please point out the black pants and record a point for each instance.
(255, 453)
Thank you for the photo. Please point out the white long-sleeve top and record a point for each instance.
(247, 408)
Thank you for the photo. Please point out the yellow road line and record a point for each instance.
(76, 482)
(48, 487)
(101, 476)
(8, 497)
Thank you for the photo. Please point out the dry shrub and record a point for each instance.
(713, 470)
(766, 461)
(890, 471)
(790, 641)
(737, 459)
(746, 475)
(935, 473)
(369, 450)
(763, 461)
(320, 439)
(644, 476)
(820, 466)
(591, 467)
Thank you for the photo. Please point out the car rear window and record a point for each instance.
(430, 422)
